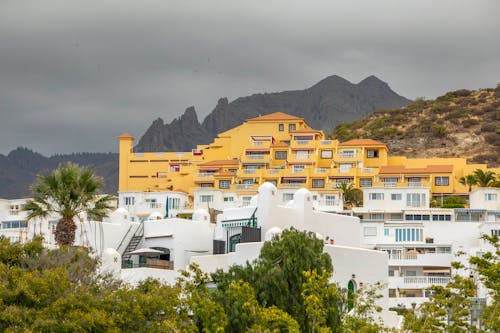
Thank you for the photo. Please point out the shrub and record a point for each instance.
(466, 123)
(439, 131)
(488, 128)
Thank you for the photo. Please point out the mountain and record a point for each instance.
(19, 168)
(328, 103)
(460, 123)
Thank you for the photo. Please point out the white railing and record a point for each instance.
(299, 170)
(442, 280)
(403, 256)
(255, 156)
(205, 174)
(320, 170)
(367, 170)
(273, 171)
(326, 142)
(302, 142)
(154, 205)
(416, 184)
(249, 171)
(244, 186)
(390, 184)
(258, 143)
(292, 185)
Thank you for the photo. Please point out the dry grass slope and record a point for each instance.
(461, 123)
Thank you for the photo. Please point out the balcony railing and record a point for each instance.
(244, 186)
(320, 170)
(205, 175)
(302, 142)
(273, 171)
(430, 280)
(292, 185)
(255, 156)
(326, 142)
(403, 256)
(249, 171)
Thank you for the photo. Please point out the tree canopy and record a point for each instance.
(68, 192)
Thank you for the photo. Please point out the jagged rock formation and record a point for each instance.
(328, 103)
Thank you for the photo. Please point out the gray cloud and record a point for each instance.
(75, 74)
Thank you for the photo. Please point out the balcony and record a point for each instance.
(205, 175)
(417, 282)
(292, 185)
(244, 186)
(421, 259)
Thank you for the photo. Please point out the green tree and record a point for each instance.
(468, 180)
(277, 275)
(487, 266)
(453, 201)
(352, 196)
(67, 192)
(484, 178)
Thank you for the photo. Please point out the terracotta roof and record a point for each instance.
(400, 169)
(362, 142)
(125, 136)
(219, 162)
(275, 116)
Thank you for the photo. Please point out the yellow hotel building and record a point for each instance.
(284, 150)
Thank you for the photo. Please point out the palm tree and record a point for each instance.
(484, 178)
(351, 196)
(468, 180)
(68, 191)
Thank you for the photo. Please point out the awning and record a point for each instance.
(436, 270)
(467, 210)
(146, 252)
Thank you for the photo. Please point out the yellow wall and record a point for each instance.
(156, 171)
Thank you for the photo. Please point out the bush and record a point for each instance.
(452, 206)
(488, 128)
(439, 131)
(466, 123)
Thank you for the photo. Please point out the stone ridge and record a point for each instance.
(326, 104)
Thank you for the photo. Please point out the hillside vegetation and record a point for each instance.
(461, 123)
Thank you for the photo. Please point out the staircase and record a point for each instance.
(132, 244)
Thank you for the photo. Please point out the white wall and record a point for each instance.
(477, 198)
(387, 204)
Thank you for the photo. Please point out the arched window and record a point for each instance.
(351, 290)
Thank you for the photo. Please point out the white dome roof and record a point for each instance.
(200, 215)
(271, 233)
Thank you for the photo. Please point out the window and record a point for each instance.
(174, 203)
(414, 181)
(331, 200)
(287, 197)
(247, 181)
(386, 231)
(291, 127)
(495, 232)
(392, 291)
(442, 181)
(298, 168)
(441, 217)
(490, 196)
(14, 224)
(225, 183)
(129, 201)
(376, 196)
(207, 185)
(365, 182)
(302, 154)
(345, 167)
(372, 153)
(396, 196)
(280, 155)
(347, 153)
(246, 201)
(318, 183)
(281, 127)
(409, 234)
(370, 231)
(206, 198)
(390, 181)
(326, 154)
(415, 200)
(411, 273)
(396, 216)
(377, 216)
(228, 199)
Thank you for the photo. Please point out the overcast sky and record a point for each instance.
(76, 74)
